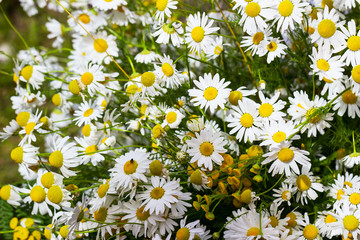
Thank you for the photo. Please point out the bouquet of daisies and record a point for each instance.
(165, 119)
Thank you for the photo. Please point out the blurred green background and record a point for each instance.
(34, 32)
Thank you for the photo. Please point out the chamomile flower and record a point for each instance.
(159, 195)
(197, 32)
(123, 16)
(25, 155)
(63, 155)
(326, 66)
(245, 121)
(189, 229)
(255, 42)
(347, 221)
(205, 148)
(349, 101)
(284, 194)
(323, 222)
(167, 72)
(87, 112)
(150, 84)
(352, 44)
(285, 159)
(10, 129)
(37, 195)
(55, 29)
(105, 215)
(10, 194)
(355, 77)
(255, 14)
(351, 160)
(92, 77)
(307, 185)
(146, 56)
(310, 231)
(173, 118)
(107, 5)
(168, 31)
(215, 48)
(130, 169)
(88, 20)
(33, 124)
(343, 182)
(212, 92)
(275, 49)
(102, 197)
(164, 7)
(241, 94)
(25, 100)
(289, 12)
(33, 74)
(88, 149)
(326, 29)
(270, 109)
(274, 132)
(351, 197)
(57, 196)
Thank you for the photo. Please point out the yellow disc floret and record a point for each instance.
(17, 154)
(37, 194)
(326, 28)
(22, 118)
(303, 183)
(254, 231)
(252, 9)
(350, 222)
(56, 159)
(354, 198)
(355, 74)
(183, 234)
(266, 109)
(310, 232)
(323, 65)
(279, 136)
(157, 193)
(87, 78)
(74, 87)
(246, 120)
(286, 8)
(27, 72)
(286, 155)
(141, 214)
(55, 194)
(5, 192)
(198, 34)
(88, 112)
(234, 97)
(167, 69)
(171, 117)
(101, 214)
(148, 79)
(29, 127)
(353, 43)
(349, 97)
(47, 179)
(130, 167)
(86, 130)
(100, 45)
(64, 231)
(206, 149)
(102, 190)
(258, 37)
(210, 93)
(90, 150)
(161, 4)
(272, 46)
(84, 18)
(56, 99)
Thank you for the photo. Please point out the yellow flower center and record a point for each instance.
(168, 28)
(21, 233)
(47, 232)
(327, 80)
(210, 93)
(131, 89)
(148, 79)
(55, 194)
(254, 231)
(329, 219)
(286, 195)
(74, 87)
(252, 9)
(84, 18)
(86, 130)
(286, 155)
(157, 131)
(130, 167)
(37, 194)
(56, 99)
(355, 74)
(326, 28)
(329, 3)
(353, 43)
(272, 47)
(349, 184)
(167, 69)
(322, 64)
(29, 127)
(292, 221)
(279, 136)
(303, 183)
(29, 222)
(286, 8)
(161, 4)
(87, 78)
(310, 232)
(196, 177)
(274, 222)
(88, 112)
(183, 234)
(349, 97)
(17, 154)
(234, 97)
(141, 214)
(218, 50)
(258, 37)
(22, 118)
(206, 149)
(354, 198)
(313, 118)
(100, 45)
(56, 159)
(27, 72)
(14, 222)
(5, 192)
(339, 194)
(198, 34)
(246, 120)
(156, 168)
(171, 117)
(157, 193)
(64, 231)
(47, 179)
(101, 214)
(351, 222)
(90, 150)
(102, 190)
(266, 109)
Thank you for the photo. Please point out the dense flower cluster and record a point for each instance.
(165, 119)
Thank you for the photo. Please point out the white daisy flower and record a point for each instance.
(103, 216)
(284, 194)
(87, 112)
(244, 120)
(274, 132)
(352, 45)
(173, 118)
(37, 195)
(240, 94)
(215, 48)
(270, 109)
(347, 222)
(25, 101)
(288, 13)
(88, 151)
(275, 49)
(33, 74)
(355, 77)
(256, 42)
(351, 160)
(64, 155)
(168, 31)
(88, 20)
(310, 231)
(326, 66)
(55, 29)
(212, 92)
(326, 29)
(164, 7)
(205, 148)
(285, 159)
(255, 14)
(123, 16)
(198, 30)
(189, 229)
(150, 84)
(58, 197)
(146, 57)
(92, 77)
(349, 101)
(10, 194)
(32, 124)
(25, 155)
(10, 129)
(102, 197)
(47, 179)
(107, 5)
(307, 185)
(169, 75)
(159, 196)
(130, 169)
(323, 222)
